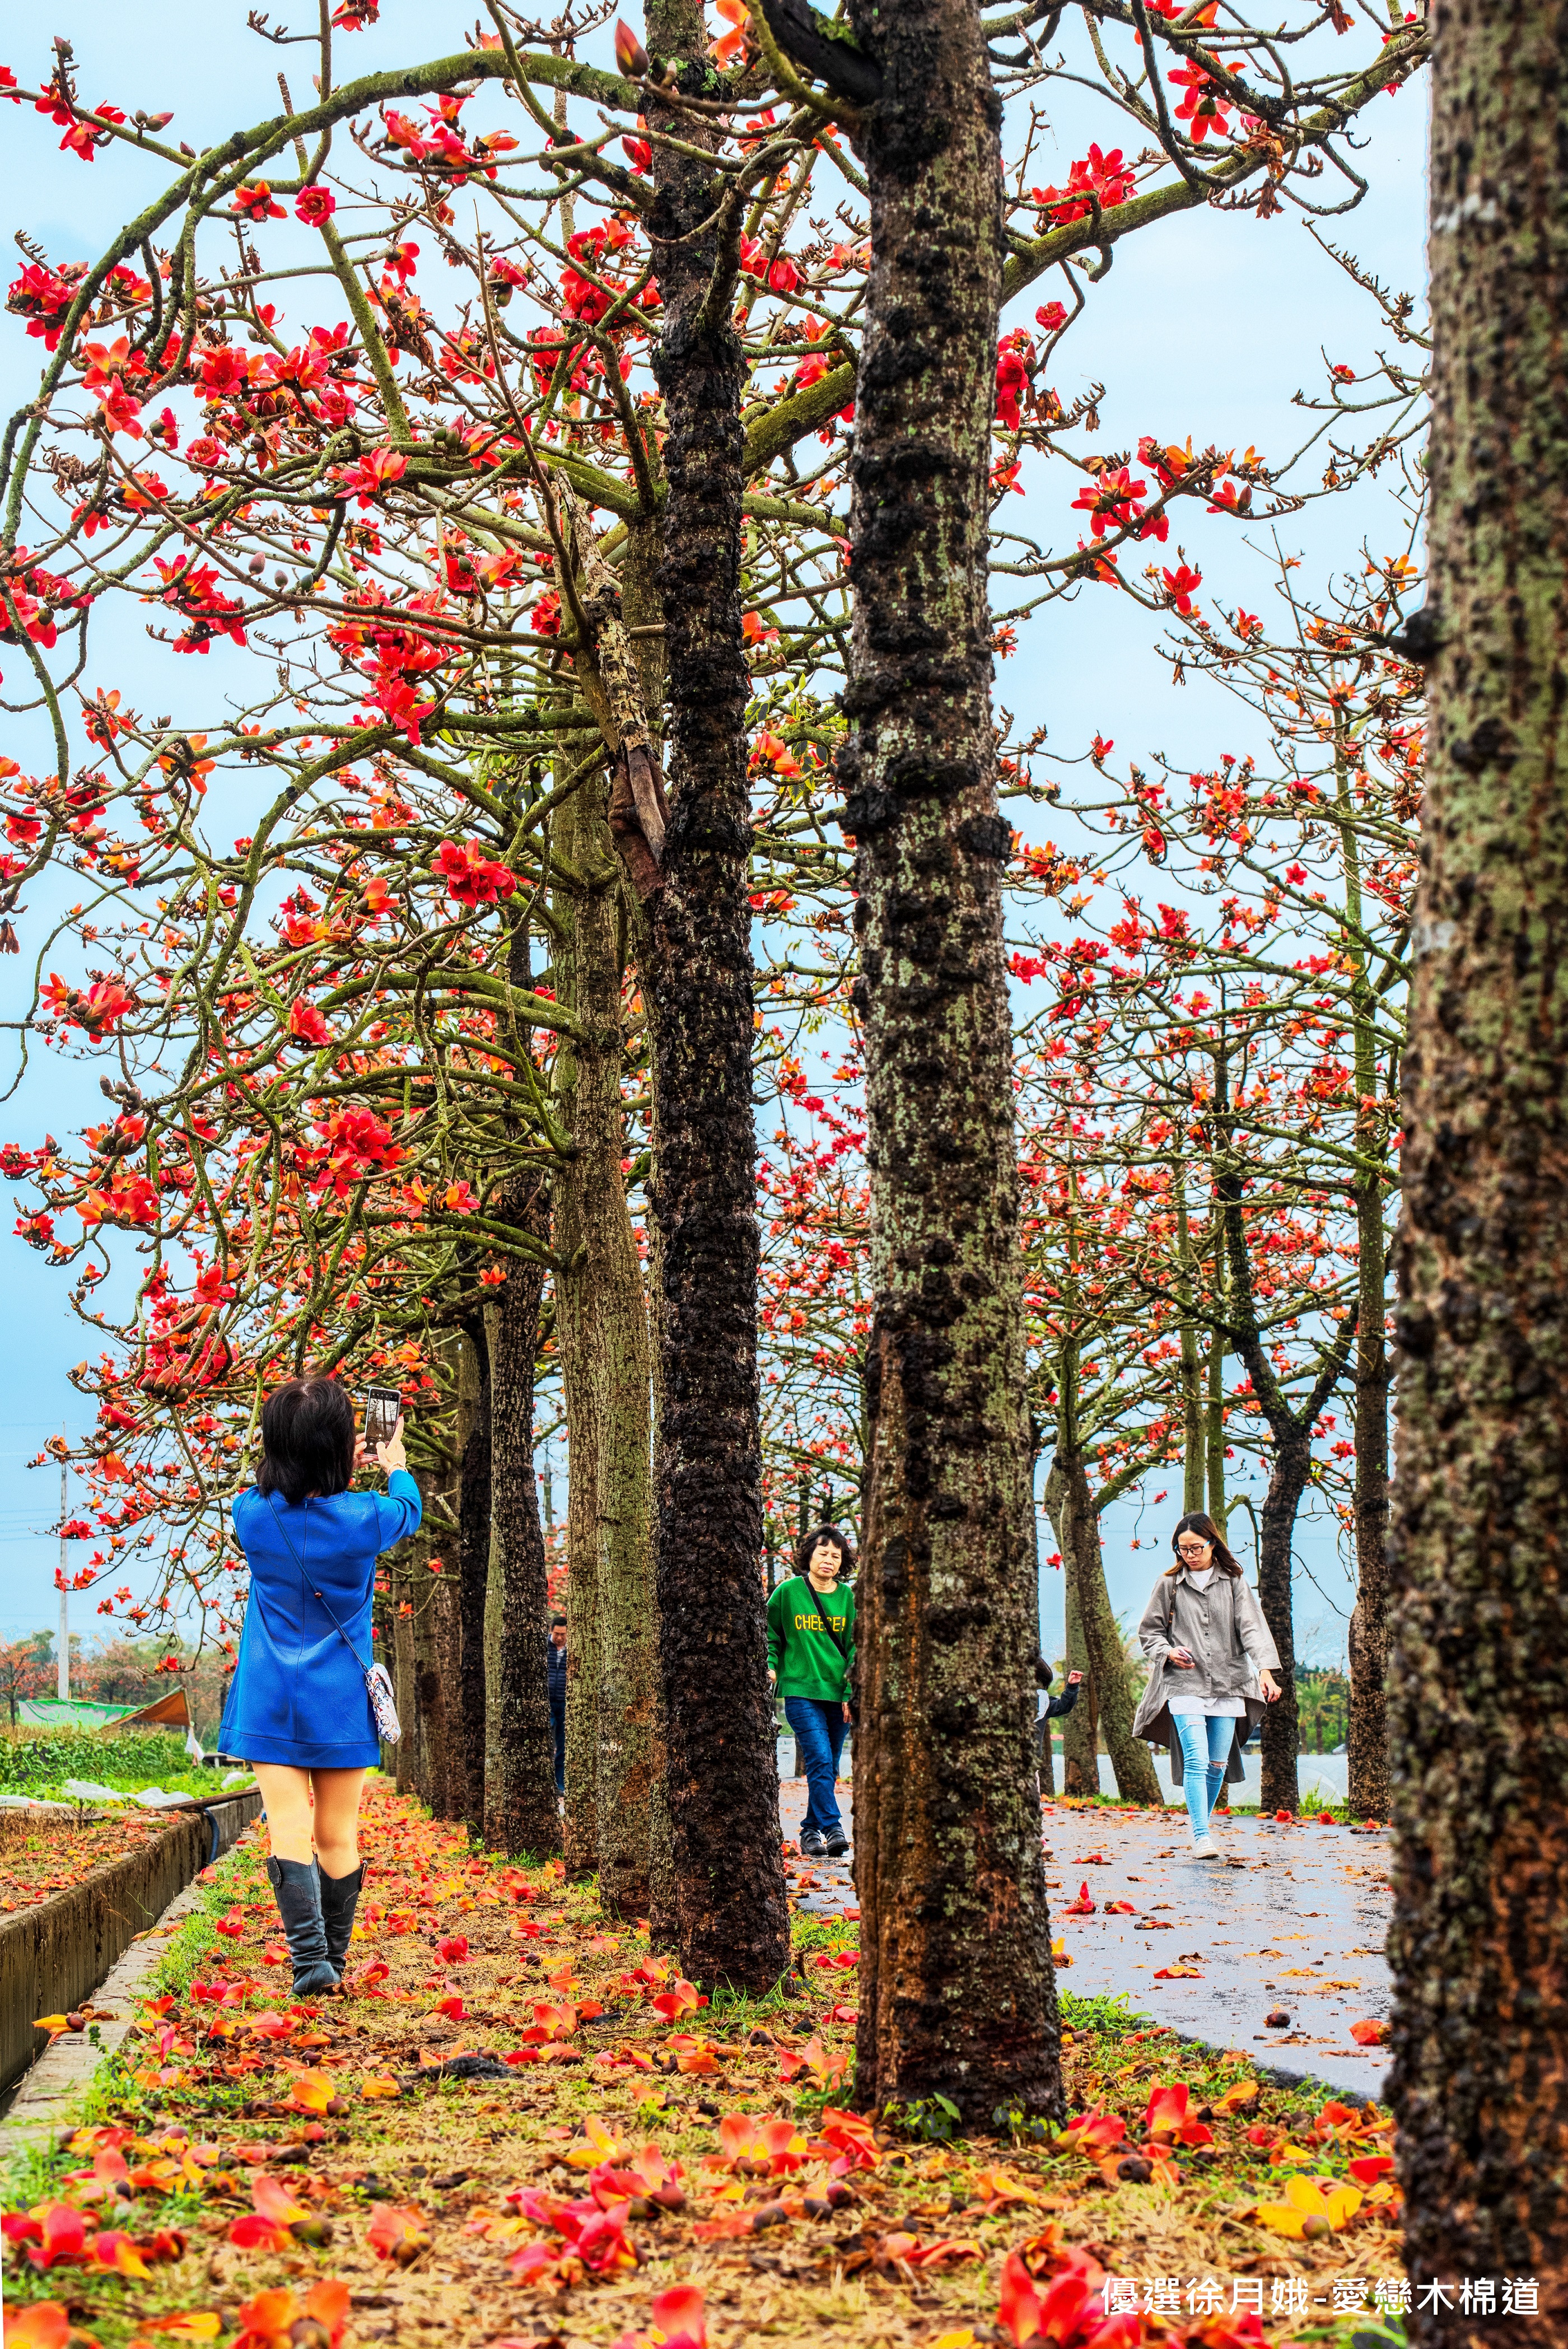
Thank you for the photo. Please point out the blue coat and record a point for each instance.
(298, 1692)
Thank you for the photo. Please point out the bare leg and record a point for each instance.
(338, 1794)
(286, 1792)
(292, 1873)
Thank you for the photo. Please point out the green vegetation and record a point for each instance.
(38, 1763)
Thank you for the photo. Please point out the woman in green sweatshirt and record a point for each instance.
(811, 1654)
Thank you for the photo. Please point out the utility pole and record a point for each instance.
(63, 1662)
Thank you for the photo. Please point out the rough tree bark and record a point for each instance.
(401, 1759)
(1290, 1427)
(696, 969)
(1219, 1506)
(1080, 1727)
(472, 1574)
(1195, 1433)
(1043, 1732)
(1479, 1679)
(603, 1324)
(440, 1673)
(520, 1807)
(432, 1636)
(1369, 1795)
(581, 1833)
(1077, 1523)
(1367, 1738)
(957, 1991)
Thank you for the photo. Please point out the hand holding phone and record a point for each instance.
(383, 1409)
(383, 1439)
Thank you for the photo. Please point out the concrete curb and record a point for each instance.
(45, 2099)
(56, 1954)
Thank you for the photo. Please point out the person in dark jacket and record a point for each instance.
(297, 1707)
(1055, 1708)
(555, 1678)
(1043, 1676)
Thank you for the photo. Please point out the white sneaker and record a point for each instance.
(1205, 1847)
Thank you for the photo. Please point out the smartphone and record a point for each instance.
(383, 1409)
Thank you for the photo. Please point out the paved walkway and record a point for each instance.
(1293, 1919)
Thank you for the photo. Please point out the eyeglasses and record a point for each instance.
(1191, 1549)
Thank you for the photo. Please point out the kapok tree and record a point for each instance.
(1476, 1693)
(1310, 851)
(296, 428)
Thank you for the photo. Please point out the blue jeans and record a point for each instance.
(819, 1731)
(559, 1741)
(1206, 1742)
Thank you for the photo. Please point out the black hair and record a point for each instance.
(558, 1618)
(1207, 1530)
(307, 1440)
(808, 1542)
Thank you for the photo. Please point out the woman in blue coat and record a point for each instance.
(298, 1709)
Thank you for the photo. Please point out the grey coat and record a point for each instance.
(1223, 1630)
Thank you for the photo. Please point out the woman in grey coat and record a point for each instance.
(1214, 1664)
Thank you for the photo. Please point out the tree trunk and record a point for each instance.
(403, 1666)
(1477, 1681)
(580, 1836)
(1131, 1759)
(603, 1326)
(1194, 1432)
(696, 969)
(521, 1813)
(957, 1989)
(439, 1682)
(1291, 1427)
(1080, 1727)
(1218, 1506)
(1282, 1721)
(434, 1671)
(1368, 1740)
(1042, 1728)
(472, 1577)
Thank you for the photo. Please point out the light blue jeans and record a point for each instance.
(1206, 1742)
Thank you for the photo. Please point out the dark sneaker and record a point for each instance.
(811, 1845)
(836, 1843)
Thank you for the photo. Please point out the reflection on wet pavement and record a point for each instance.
(1292, 1919)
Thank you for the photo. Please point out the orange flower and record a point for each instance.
(270, 2318)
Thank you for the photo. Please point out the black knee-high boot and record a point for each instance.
(296, 1889)
(340, 1898)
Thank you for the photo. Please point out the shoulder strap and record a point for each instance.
(830, 1624)
(310, 1585)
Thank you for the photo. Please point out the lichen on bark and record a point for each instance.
(1479, 1669)
(958, 1994)
(695, 965)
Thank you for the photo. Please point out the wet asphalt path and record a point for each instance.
(1292, 1919)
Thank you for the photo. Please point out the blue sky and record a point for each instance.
(1207, 324)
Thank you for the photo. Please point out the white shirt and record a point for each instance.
(1218, 1708)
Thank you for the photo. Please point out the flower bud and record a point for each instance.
(629, 53)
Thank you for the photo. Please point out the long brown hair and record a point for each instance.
(1207, 1530)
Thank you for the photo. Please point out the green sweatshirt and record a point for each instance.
(801, 1649)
